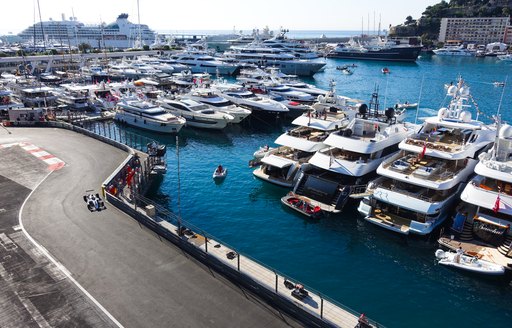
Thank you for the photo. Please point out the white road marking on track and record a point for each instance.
(57, 263)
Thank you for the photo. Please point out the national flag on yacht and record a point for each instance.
(496, 207)
(423, 151)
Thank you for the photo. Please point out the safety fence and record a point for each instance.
(309, 305)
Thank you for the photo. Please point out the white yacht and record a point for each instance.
(197, 114)
(420, 185)
(209, 97)
(201, 62)
(280, 166)
(256, 53)
(37, 96)
(145, 115)
(73, 96)
(506, 57)
(297, 48)
(454, 51)
(258, 104)
(484, 218)
(7, 101)
(332, 101)
(350, 159)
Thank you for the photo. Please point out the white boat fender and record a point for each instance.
(440, 254)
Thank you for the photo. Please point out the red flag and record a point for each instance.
(423, 151)
(496, 207)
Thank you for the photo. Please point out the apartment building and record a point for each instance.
(479, 30)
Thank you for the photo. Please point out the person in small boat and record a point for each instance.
(220, 169)
(460, 251)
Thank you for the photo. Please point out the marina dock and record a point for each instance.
(135, 275)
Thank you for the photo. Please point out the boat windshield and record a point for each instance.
(199, 107)
(221, 103)
(156, 112)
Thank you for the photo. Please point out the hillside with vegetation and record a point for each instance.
(427, 26)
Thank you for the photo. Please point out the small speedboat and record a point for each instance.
(347, 71)
(301, 205)
(217, 175)
(385, 70)
(262, 151)
(469, 263)
(499, 84)
(406, 105)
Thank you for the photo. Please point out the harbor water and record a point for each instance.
(392, 279)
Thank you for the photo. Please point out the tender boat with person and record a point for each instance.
(220, 173)
(468, 263)
(406, 105)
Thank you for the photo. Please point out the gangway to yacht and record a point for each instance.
(359, 191)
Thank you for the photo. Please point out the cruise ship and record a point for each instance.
(120, 34)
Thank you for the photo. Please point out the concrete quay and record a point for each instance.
(134, 277)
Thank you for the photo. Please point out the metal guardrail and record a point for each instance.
(245, 267)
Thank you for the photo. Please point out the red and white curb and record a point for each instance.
(53, 162)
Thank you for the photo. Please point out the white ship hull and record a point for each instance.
(148, 124)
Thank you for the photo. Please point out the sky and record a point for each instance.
(219, 15)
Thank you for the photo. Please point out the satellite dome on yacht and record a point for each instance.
(505, 131)
(465, 116)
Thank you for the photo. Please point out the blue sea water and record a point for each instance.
(392, 279)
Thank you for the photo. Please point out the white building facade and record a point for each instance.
(479, 30)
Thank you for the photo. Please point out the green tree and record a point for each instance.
(84, 47)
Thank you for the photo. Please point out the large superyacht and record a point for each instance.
(350, 158)
(419, 186)
(483, 219)
(281, 165)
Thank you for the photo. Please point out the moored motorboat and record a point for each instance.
(262, 151)
(406, 105)
(302, 205)
(469, 263)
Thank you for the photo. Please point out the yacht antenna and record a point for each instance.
(374, 32)
(386, 91)
(138, 19)
(179, 184)
(74, 26)
(368, 25)
(362, 26)
(496, 138)
(378, 32)
(419, 99)
(42, 29)
(501, 98)
(34, 28)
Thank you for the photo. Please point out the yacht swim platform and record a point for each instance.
(390, 222)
